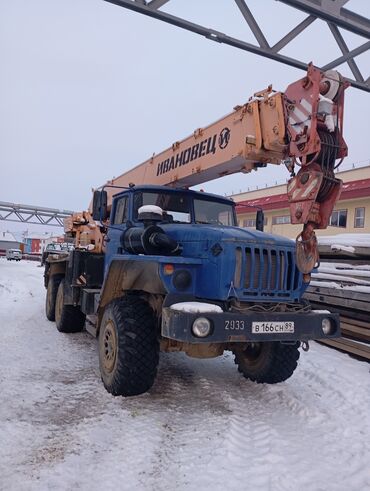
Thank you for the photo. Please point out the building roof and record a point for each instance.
(40, 236)
(350, 175)
(355, 189)
(7, 237)
(350, 190)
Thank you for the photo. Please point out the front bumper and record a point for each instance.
(307, 326)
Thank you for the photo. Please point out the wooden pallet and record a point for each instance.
(355, 332)
(352, 305)
(351, 347)
(354, 324)
(355, 338)
(356, 315)
(345, 299)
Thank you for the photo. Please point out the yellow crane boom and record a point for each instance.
(301, 127)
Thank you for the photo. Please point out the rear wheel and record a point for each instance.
(128, 347)
(67, 317)
(270, 362)
(51, 296)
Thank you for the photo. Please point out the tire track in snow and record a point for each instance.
(202, 426)
(192, 422)
(346, 421)
(249, 454)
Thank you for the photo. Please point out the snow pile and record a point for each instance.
(150, 209)
(197, 307)
(351, 275)
(355, 268)
(340, 286)
(342, 276)
(344, 248)
(347, 244)
(202, 426)
(350, 240)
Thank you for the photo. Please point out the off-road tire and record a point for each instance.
(67, 317)
(128, 347)
(267, 363)
(51, 296)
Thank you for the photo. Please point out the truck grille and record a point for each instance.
(266, 272)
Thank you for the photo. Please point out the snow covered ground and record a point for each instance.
(201, 427)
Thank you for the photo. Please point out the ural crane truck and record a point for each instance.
(157, 266)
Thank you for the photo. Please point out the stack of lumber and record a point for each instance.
(342, 284)
(345, 246)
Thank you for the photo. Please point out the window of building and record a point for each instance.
(251, 222)
(338, 218)
(281, 220)
(359, 217)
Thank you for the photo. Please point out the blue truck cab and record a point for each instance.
(178, 274)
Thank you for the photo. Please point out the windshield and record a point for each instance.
(176, 207)
(213, 212)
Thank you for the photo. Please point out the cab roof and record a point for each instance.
(167, 189)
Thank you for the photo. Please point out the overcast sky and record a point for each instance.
(89, 89)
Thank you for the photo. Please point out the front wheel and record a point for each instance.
(128, 347)
(269, 363)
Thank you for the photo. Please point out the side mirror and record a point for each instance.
(260, 220)
(100, 211)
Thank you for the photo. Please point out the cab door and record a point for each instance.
(119, 217)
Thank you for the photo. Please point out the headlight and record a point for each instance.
(182, 279)
(201, 327)
(326, 326)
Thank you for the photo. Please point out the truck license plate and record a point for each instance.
(272, 327)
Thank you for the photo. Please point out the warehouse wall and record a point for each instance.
(292, 231)
(277, 221)
(5, 245)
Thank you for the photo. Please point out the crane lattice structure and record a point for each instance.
(332, 12)
(13, 212)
